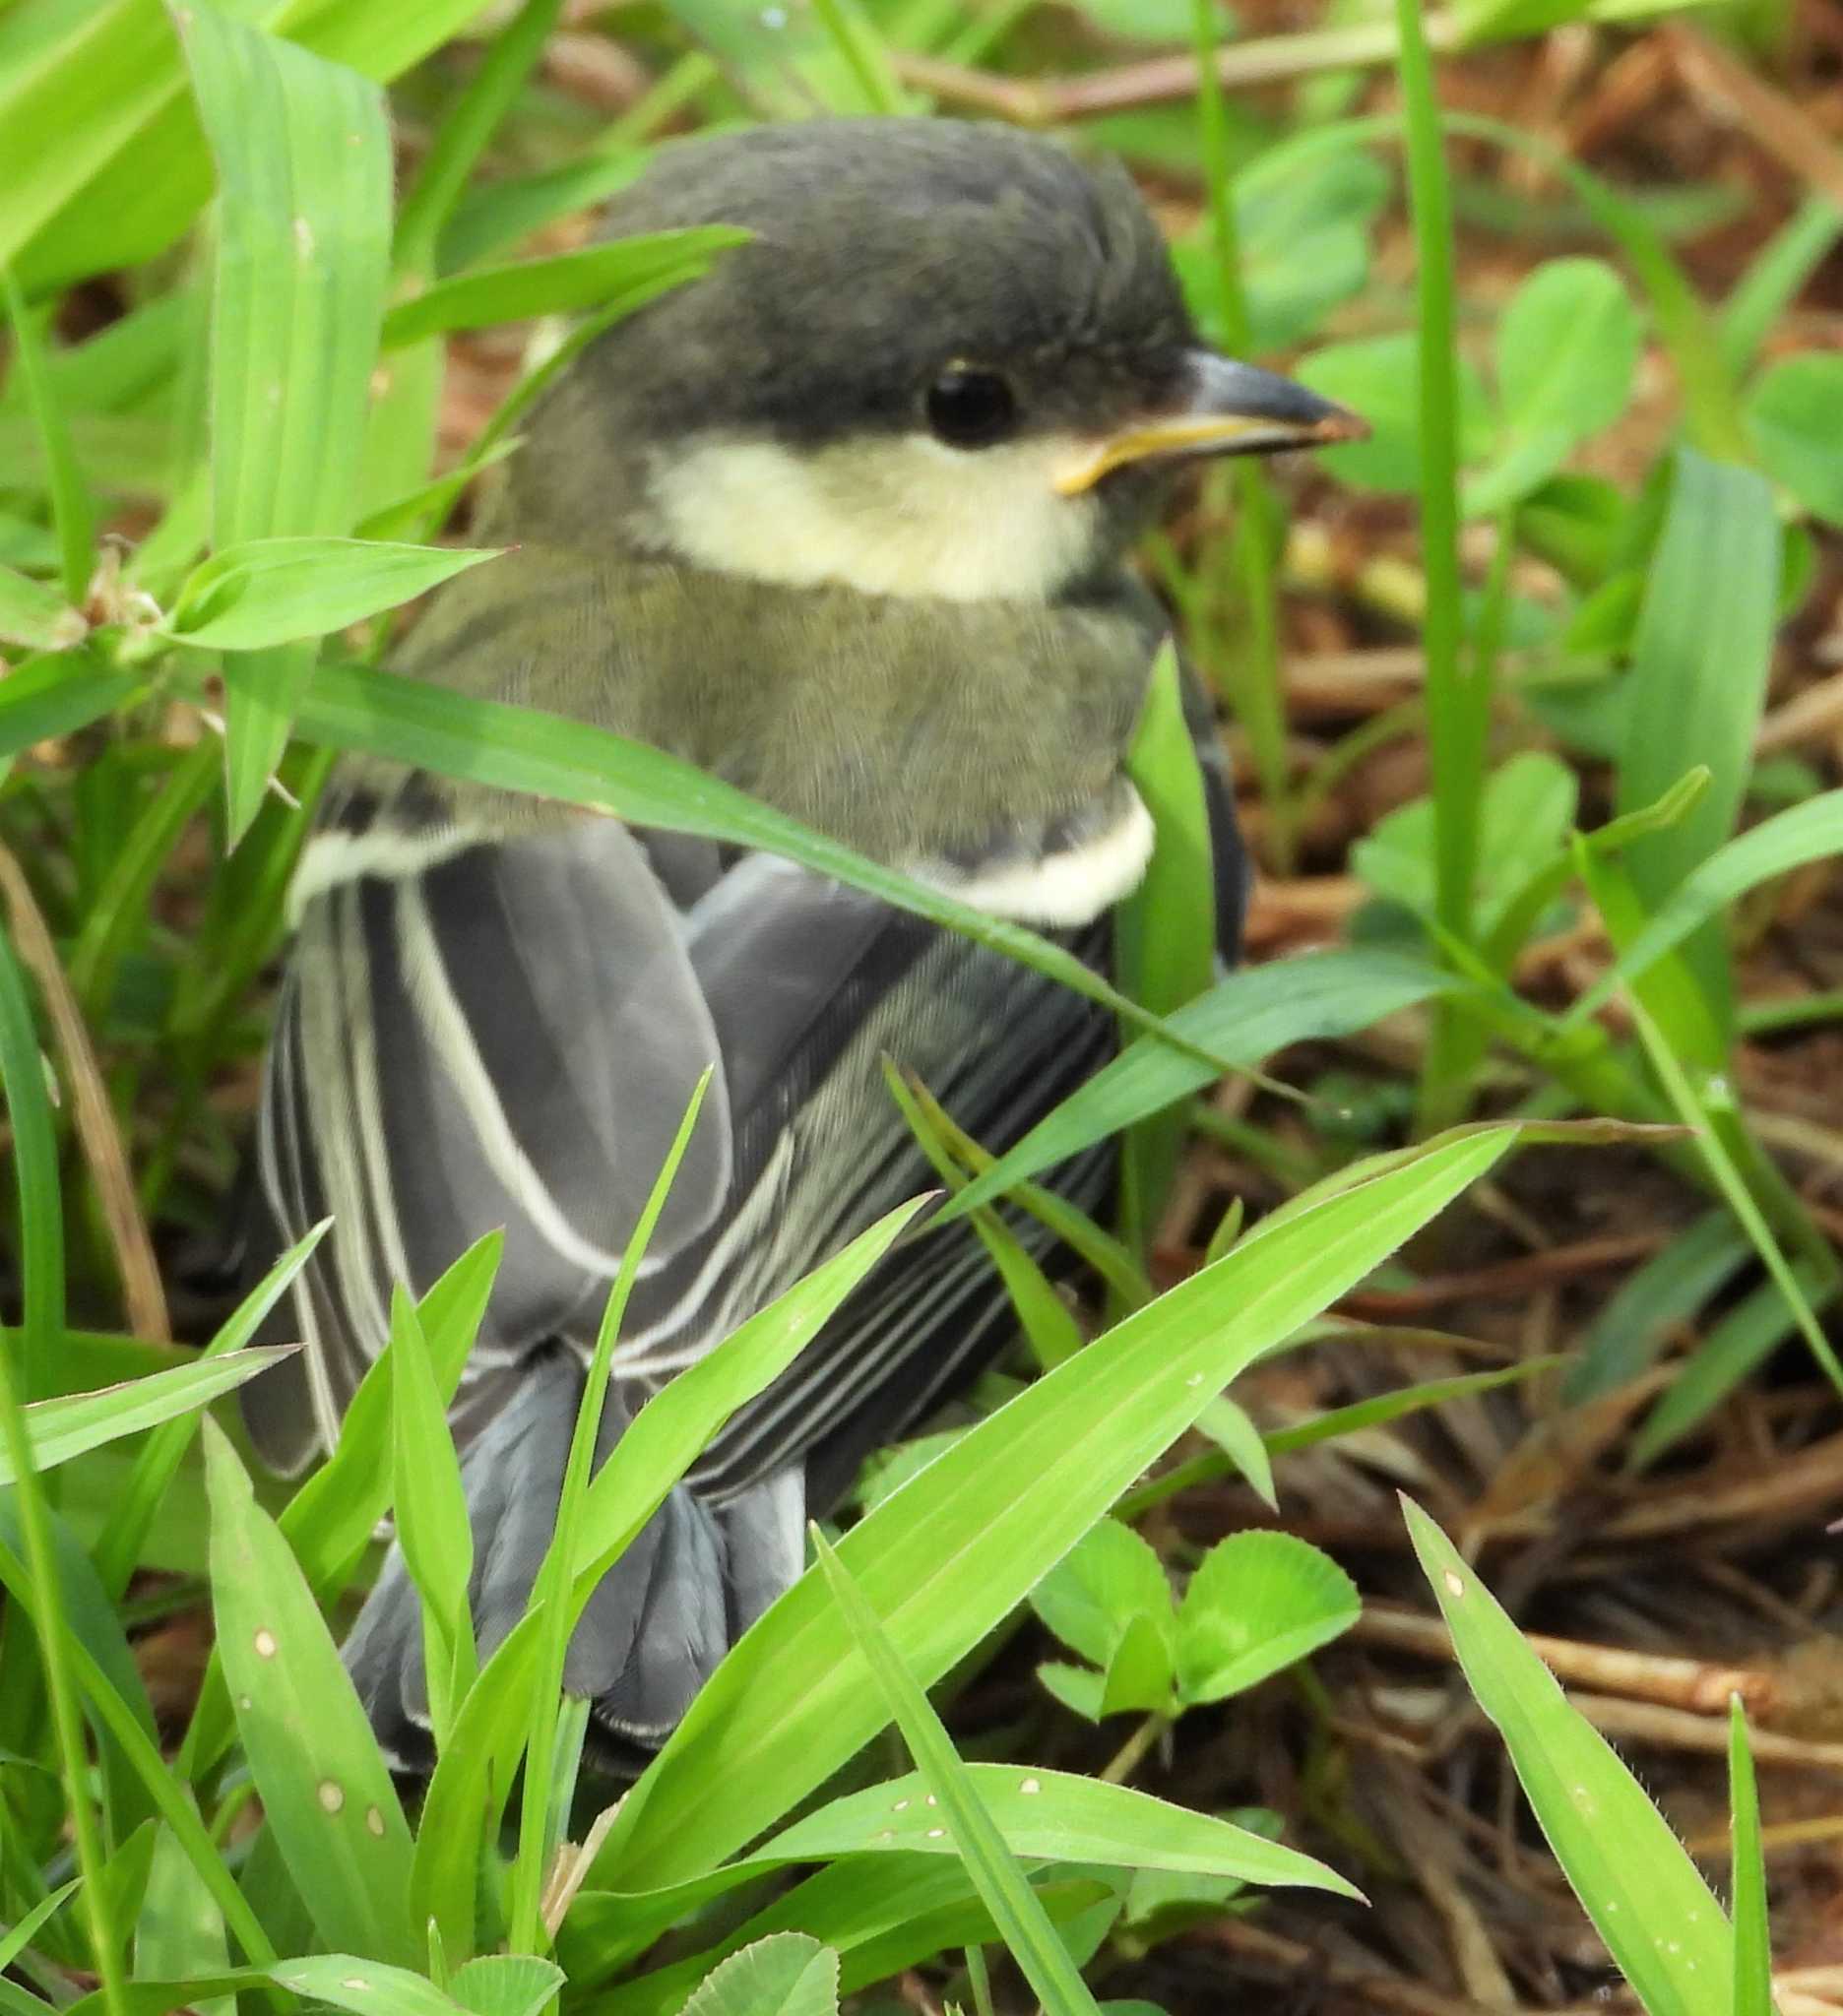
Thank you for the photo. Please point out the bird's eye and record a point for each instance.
(971, 409)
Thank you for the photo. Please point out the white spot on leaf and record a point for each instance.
(1455, 1584)
(331, 1794)
(1030, 1787)
(265, 1643)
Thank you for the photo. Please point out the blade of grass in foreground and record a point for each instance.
(71, 513)
(1753, 1957)
(329, 1522)
(1645, 1896)
(1697, 682)
(550, 1589)
(118, 1550)
(951, 1554)
(522, 749)
(1165, 932)
(1458, 705)
(663, 1440)
(325, 1788)
(302, 149)
(42, 1225)
(1022, 1922)
(56, 1430)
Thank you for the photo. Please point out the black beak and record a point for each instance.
(1231, 409)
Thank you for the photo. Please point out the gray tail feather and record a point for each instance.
(694, 1579)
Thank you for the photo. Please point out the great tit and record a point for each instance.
(845, 523)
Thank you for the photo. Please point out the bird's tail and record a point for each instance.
(695, 1578)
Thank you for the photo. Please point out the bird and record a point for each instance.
(846, 521)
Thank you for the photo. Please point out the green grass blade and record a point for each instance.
(1327, 1427)
(34, 616)
(627, 272)
(432, 1525)
(302, 147)
(21, 1936)
(325, 1788)
(1053, 1817)
(468, 1794)
(669, 1434)
(864, 57)
(1252, 652)
(550, 1589)
(464, 133)
(1021, 1919)
(1694, 1111)
(121, 905)
(42, 1225)
(660, 1444)
(1101, 1251)
(521, 749)
(1049, 1324)
(129, 1724)
(181, 1929)
(1773, 281)
(1699, 679)
(1458, 702)
(57, 695)
(962, 1542)
(329, 1522)
(1753, 1938)
(1165, 932)
(1242, 1019)
(57, 1430)
(261, 592)
(1744, 1338)
(362, 1986)
(1810, 832)
(1666, 1289)
(1645, 1897)
(71, 512)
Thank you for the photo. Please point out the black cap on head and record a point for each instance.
(884, 252)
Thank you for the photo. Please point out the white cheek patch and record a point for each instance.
(901, 515)
(1065, 889)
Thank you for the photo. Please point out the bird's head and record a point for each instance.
(951, 360)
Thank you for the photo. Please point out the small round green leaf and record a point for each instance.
(1795, 414)
(1260, 1602)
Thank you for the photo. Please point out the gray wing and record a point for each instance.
(506, 1034)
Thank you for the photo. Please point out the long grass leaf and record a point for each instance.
(35, 1157)
(521, 749)
(56, 1430)
(550, 1589)
(1646, 1899)
(1699, 679)
(329, 1522)
(627, 272)
(326, 1790)
(464, 133)
(1021, 1919)
(71, 512)
(1165, 932)
(302, 149)
(1753, 1941)
(1241, 1020)
(1810, 832)
(952, 1552)
(129, 1725)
